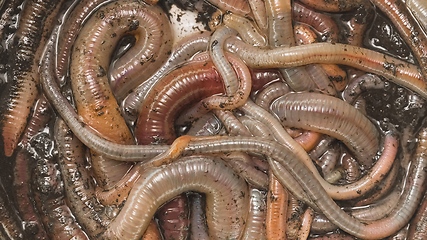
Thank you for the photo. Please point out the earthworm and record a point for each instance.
(319, 77)
(242, 164)
(22, 92)
(333, 6)
(233, 126)
(254, 228)
(418, 226)
(10, 225)
(279, 16)
(328, 160)
(322, 147)
(351, 168)
(271, 92)
(240, 7)
(247, 29)
(354, 130)
(277, 205)
(255, 127)
(223, 189)
(356, 26)
(78, 185)
(295, 210)
(207, 125)
(22, 174)
(307, 219)
(408, 28)
(152, 232)
(198, 228)
(324, 24)
(259, 13)
(173, 218)
(419, 9)
(187, 47)
(361, 84)
(395, 70)
(333, 236)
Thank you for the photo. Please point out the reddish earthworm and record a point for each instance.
(397, 71)
(324, 24)
(152, 232)
(277, 205)
(408, 28)
(294, 213)
(173, 218)
(28, 41)
(247, 29)
(331, 116)
(223, 189)
(334, 5)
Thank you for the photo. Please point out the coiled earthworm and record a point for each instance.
(395, 70)
(408, 28)
(361, 84)
(247, 30)
(187, 48)
(260, 14)
(240, 7)
(419, 9)
(223, 189)
(349, 125)
(23, 90)
(277, 206)
(333, 6)
(323, 23)
(78, 185)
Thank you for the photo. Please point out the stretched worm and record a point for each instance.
(333, 117)
(247, 29)
(78, 185)
(418, 226)
(22, 92)
(408, 28)
(260, 14)
(397, 71)
(254, 228)
(324, 24)
(243, 164)
(307, 219)
(277, 206)
(240, 7)
(227, 197)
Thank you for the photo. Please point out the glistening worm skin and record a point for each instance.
(227, 197)
(397, 71)
(334, 5)
(331, 116)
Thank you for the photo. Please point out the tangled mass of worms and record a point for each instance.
(244, 119)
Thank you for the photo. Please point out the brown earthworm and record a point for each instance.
(277, 206)
(360, 84)
(173, 218)
(333, 117)
(198, 226)
(28, 43)
(11, 227)
(334, 5)
(408, 28)
(351, 168)
(78, 185)
(400, 72)
(324, 24)
(223, 189)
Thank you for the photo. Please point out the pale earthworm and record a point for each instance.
(408, 28)
(240, 7)
(29, 40)
(419, 9)
(185, 49)
(267, 95)
(277, 206)
(247, 29)
(331, 116)
(307, 219)
(255, 127)
(78, 185)
(397, 71)
(334, 5)
(223, 189)
(254, 228)
(325, 143)
(198, 228)
(324, 24)
(207, 125)
(260, 14)
(418, 226)
(231, 123)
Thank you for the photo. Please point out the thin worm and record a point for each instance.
(324, 24)
(277, 205)
(223, 189)
(255, 127)
(419, 9)
(254, 228)
(279, 16)
(408, 28)
(198, 226)
(22, 92)
(331, 116)
(260, 14)
(334, 5)
(240, 7)
(266, 96)
(361, 84)
(418, 226)
(247, 29)
(294, 214)
(231, 123)
(397, 71)
(78, 185)
(307, 219)
(187, 47)
(9, 223)
(242, 164)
